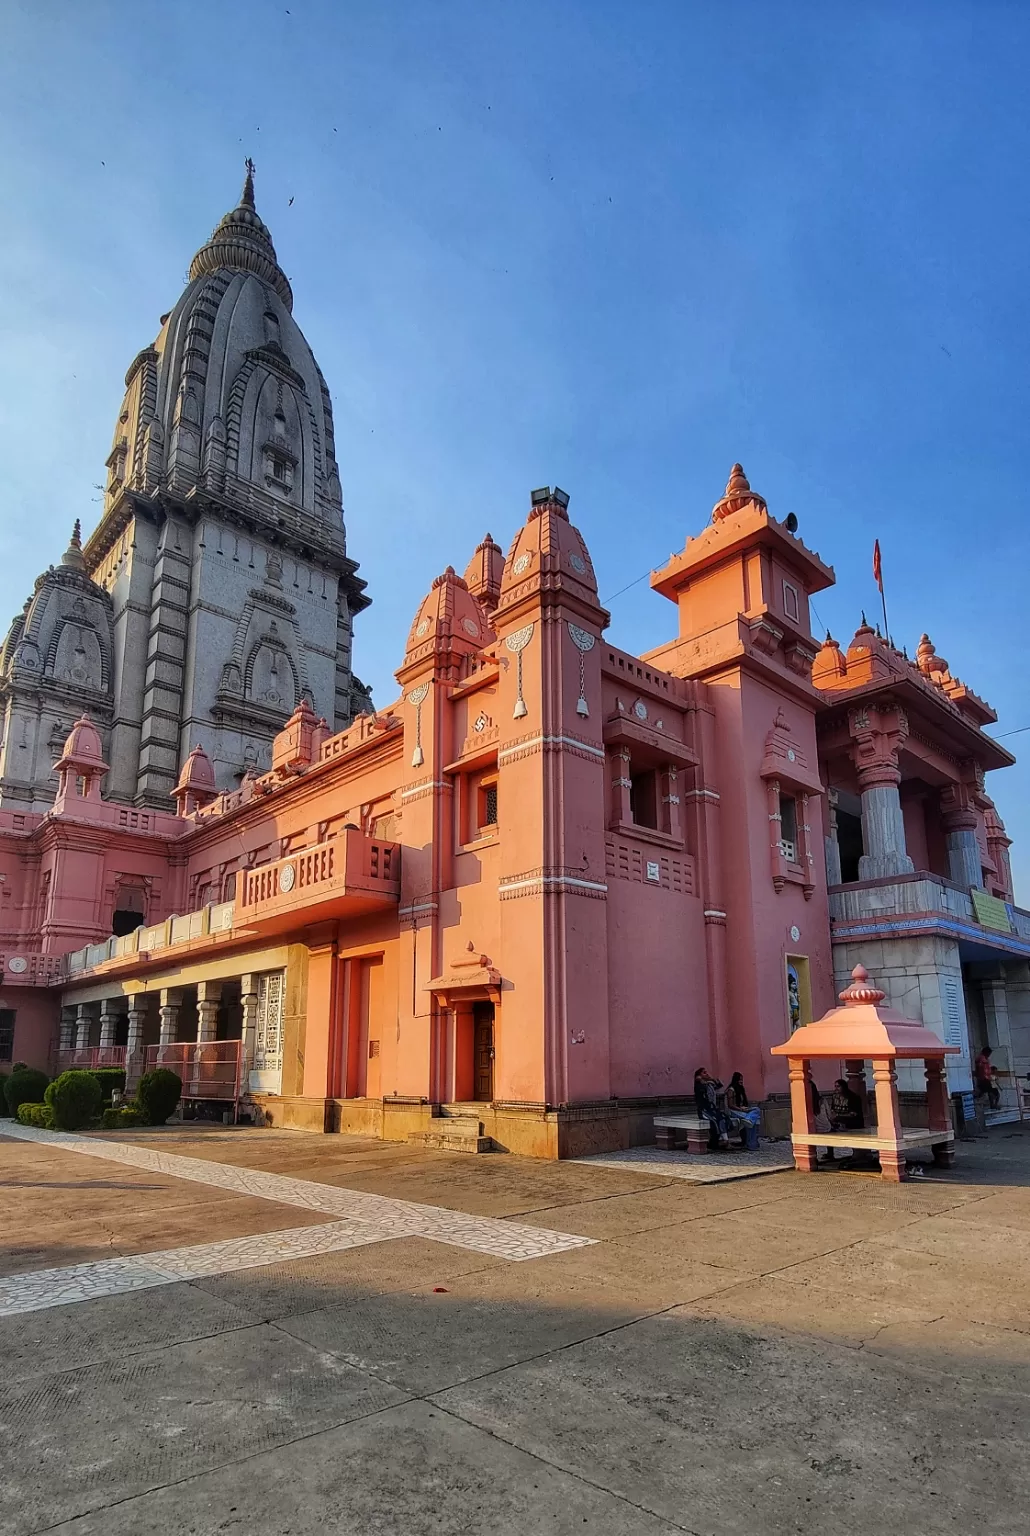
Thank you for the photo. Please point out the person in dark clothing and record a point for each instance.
(983, 1073)
(706, 1099)
(847, 1112)
(736, 1093)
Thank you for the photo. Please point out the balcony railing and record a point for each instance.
(209, 1070)
(347, 875)
(214, 919)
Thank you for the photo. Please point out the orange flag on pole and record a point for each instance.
(877, 567)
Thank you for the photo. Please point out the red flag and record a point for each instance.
(877, 568)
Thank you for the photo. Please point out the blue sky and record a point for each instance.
(610, 246)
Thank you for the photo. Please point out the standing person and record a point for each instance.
(983, 1073)
(706, 1091)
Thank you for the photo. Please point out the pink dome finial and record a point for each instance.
(859, 993)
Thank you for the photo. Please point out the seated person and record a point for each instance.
(846, 1109)
(736, 1093)
(706, 1099)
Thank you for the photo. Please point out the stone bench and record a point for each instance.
(670, 1131)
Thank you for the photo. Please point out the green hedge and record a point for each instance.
(157, 1094)
(75, 1099)
(123, 1118)
(24, 1086)
(40, 1115)
(110, 1079)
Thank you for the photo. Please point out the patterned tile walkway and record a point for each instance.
(359, 1218)
(700, 1168)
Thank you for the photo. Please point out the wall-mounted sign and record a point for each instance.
(990, 911)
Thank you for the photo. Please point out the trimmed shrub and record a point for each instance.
(122, 1118)
(157, 1094)
(39, 1115)
(74, 1098)
(24, 1086)
(109, 1078)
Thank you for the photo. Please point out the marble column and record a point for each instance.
(171, 999)
(66, 1041)
(964, 857)
(959, 820)
(249, 1004)
(84, 1023)
(134, 1043)
(883, 832)
(830, 843)
(110, 1015)
(209, 996)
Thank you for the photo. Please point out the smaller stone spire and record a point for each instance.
(247, 195)
(73, 554)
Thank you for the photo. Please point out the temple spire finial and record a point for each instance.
(247, 195)
(738, 494)
(76, 539)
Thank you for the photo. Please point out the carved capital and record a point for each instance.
(878, 732)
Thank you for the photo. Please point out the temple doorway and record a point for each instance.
(483, 1052)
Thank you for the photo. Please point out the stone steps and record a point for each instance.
(453, 1137)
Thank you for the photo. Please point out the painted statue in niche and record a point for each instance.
(793, 997)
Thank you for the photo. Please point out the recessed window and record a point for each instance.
(643, 799)
(7, 1017)
(791, 602)
(279, 470)
(789, 828)
(487, 806)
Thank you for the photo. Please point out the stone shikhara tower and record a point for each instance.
(216, 592)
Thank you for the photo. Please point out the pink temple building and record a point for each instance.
(519, 905)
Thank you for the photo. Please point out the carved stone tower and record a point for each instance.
(220, 559)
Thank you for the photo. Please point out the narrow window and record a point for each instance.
(7, 1017)
(791, 605)
(789, 828)
(643, 799)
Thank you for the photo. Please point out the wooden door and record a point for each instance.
(370, 1003)
(483, 1052)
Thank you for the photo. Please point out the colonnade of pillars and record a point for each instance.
(129, 1016)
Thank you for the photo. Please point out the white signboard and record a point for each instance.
(953, 1011)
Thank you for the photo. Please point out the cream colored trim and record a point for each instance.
(221, 968)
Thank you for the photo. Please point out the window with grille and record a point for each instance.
(789, 828)
(489, 806)
(7, 1016)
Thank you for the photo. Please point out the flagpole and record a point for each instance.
(878, 574)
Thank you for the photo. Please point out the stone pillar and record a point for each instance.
(878, 733)
(801, 1118)
(134, 1043)
(249, 1004)
(671, 820)
(66, 1039)
(888, 1119)
(830, 843)
(209, 996)
(883, 832)
(621, 784)
(171, 998)
(958, 818)
(84, 1022)
(938, 1116)
(110, 1015)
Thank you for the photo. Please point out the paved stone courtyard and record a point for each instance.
(274, 1333)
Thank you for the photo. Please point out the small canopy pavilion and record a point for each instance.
(858, 1032)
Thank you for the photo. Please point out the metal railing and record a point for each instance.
(85, 1058)
(210, 1069)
